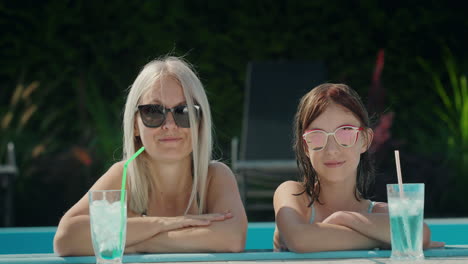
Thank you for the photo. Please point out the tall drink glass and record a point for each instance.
(107, 221)
(406, 220)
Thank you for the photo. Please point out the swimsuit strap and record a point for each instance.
(371, 207)
(312, 215)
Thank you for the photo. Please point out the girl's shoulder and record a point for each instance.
(291, 192)
(290, 186)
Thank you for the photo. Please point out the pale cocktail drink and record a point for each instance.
(106, 227)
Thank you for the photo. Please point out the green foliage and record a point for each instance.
(454, 109)
(86, 54)
(15, 118)
(453, 115)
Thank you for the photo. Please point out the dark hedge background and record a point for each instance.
(66, 65)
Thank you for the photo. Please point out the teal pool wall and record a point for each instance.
(31, 240)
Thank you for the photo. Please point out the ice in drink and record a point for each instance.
(106, 221)
(406, 211)
(406, 221)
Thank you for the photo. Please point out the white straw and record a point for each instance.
(400, 185)
(400, 180)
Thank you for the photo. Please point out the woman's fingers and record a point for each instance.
(222, 217)
(213, 217)
(190, 222)
(172, 223)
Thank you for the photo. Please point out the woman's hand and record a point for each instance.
(212, 232)
(172, 223)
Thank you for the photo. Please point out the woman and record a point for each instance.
(178, 199)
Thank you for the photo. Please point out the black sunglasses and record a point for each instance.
(154, 115)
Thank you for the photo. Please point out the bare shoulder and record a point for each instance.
(380, 207)
(222, 191)
(111, 179)
(219, 171)
(290, 204)
(116, 169)
(287, 188)
(290, 194)
(220, 179)
(217, 167)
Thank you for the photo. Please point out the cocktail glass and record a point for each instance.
(406, 208)
(108, 220)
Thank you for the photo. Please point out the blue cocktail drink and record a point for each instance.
(406, 220)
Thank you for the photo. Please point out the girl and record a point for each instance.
(178, 199)
(330, 209)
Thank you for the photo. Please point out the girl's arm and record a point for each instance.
(73, 236)
(301, 236)
(375, 225)
(226, 236)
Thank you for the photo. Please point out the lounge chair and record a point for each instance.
(265, 157)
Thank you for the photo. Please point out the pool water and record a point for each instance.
(29, 240)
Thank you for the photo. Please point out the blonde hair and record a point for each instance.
(138, 177)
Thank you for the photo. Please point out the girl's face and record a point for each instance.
(335, 163)
(169, 142)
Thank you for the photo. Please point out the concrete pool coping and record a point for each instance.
(448, 252)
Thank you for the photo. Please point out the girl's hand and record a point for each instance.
(434, 244)
(130, 250)
(337, 218)
(343, 218)
(172, 223)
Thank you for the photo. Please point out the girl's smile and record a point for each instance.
(334, 164)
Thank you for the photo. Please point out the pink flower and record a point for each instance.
(382, 131)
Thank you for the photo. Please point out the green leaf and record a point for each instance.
(441, 92)
(464, 125)
(446, 119)
(452, 72)
(463, 89)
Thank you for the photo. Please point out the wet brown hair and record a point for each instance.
(312, 105)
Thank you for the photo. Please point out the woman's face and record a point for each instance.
(169, 142)
(335, 163)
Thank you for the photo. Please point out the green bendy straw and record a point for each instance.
(122, 190)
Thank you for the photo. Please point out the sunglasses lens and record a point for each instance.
(152, 115)
(155, 115)
(346, 136)
(181, 116)
(316, 140)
